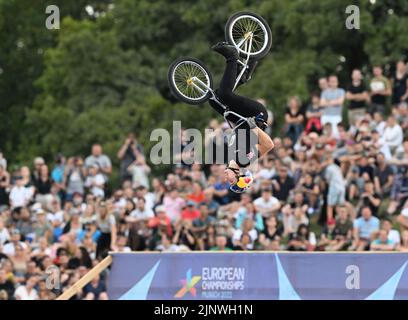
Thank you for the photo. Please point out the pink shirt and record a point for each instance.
(173, 207)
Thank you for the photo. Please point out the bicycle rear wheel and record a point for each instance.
(189, 80)
(249, 33)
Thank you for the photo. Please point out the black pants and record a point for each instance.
(242, 105)
(103, 245)
(243, 151)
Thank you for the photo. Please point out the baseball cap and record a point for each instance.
(191, 203)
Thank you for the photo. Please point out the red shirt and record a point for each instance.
(190, 214)
(155, 222)
(197, 198)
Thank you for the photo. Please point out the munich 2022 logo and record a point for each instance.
(188, 285)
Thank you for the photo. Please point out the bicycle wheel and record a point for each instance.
(249, 33)
(190, 80)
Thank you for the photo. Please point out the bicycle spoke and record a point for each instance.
(183, 80)
(244, 28)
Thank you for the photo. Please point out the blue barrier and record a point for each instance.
(258, 276)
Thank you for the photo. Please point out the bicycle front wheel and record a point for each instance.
(189, 80)
(249, 33)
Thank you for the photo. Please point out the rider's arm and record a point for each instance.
(265, 142)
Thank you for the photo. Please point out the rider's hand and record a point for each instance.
(252, 123)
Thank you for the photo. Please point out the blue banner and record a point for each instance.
(258, 276)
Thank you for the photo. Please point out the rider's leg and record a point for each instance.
(216, 106)
(242, 105)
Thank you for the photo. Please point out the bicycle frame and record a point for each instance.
(197, 82)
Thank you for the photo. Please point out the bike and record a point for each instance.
(191, 81)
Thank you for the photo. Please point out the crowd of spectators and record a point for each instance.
(330, 184)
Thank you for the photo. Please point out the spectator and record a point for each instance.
(197, 194)
(141, 213)
(221, 243)
(393, 134)
(190, 212)
(107, 225)
(302, 240)
(369, 198)
(201, 224)
(4, 187)
(293, 119)
(99, 159)
(282, 183)
(293, 218)
(332, 100)
(399, 83)
(139, 171)
(267, 204)
(95, 290)
(10, 247)
(121, 243)
(382, 243)
(380, 89)
(161, 221)
(20, 196)
(43, 185)
(247, 229)
(364, 228)
(173, 204)
(357, 95)
(128, 153)
(323, 84)
(249, 212)
(95, 182)
(184, 237)
(392, 234)
(27, 291)
(383, 176)
(272, 234)
(6, 285)
(313, 115)
(403, 247)
(74, 177)
(42, 227)
(38, 163)
(336, 186)
(4, 233)
(212, 205)
(403, 218)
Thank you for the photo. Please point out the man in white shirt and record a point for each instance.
(19, 195)
(267, 204)
(141, 212)
(142, 192)
(393, 134)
